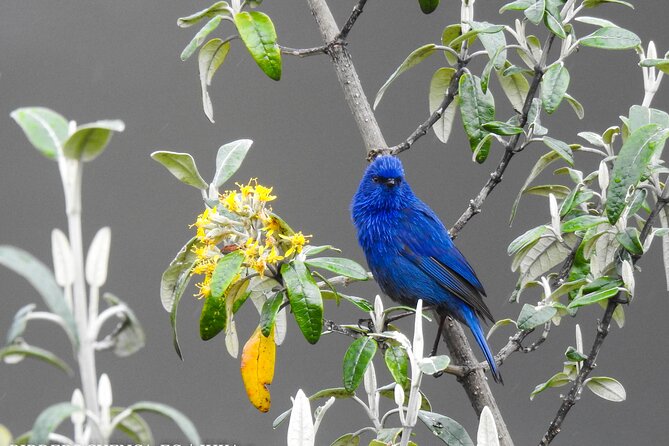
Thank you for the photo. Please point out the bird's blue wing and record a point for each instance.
(423, 240)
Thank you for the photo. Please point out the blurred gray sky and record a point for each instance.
(96, 59)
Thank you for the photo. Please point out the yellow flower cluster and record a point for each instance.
(243, 221)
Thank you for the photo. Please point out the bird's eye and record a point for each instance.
(398, 180)
(376, 179)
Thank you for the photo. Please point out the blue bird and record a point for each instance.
(411, 254)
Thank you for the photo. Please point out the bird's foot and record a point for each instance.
(438, 374)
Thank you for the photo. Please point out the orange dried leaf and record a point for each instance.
(258, 358)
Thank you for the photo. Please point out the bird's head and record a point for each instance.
(383, 186)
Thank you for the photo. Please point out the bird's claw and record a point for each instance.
(366, 324)
(438, 374)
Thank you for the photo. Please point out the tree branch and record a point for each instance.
(602, 331)
(304, 52)
(348, 77)
(357, 10)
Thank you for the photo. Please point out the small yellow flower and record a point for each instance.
(251, 249)
(263, 193)
(203, 220)
(229, 200)
(247, 190)
(204, 287)
(273, 256)
(272, 225)
(297, 242)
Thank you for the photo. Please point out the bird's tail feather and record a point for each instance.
(475, 326)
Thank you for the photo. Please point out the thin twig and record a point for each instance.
(357, 10)
(304, 52)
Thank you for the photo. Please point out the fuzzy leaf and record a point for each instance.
(182, 166)
(44, 128)
(417, 56)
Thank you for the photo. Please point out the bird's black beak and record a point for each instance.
(391, 182)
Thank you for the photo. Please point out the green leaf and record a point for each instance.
(446, 429)
(450, 33)
(640, 116)
(575, 105)
(358, 356)
(182, 166)
(558, 190)
(228, 160)
(417, 56)
(582, 222)
(554, 85)
(474, 32)
(41, 278)
(341, 266)
(49, 420)
(226, 269)
(500, 323)
(218, 8)
(535, 13)
(129, 335)
(553, 21)
(611, 38)
(311, 250)
(305, 299)
(502, 128)
(515, 87)
(537, 259)
(434, 364)
(359, 302)
(574, 355)
(90, 140)
(209, 59)
(629, 239)
(607, 388)
(493, 42)
(438, 90)
(213, 318)
(660, 64)
(531, 317)
(134, 426)
(526, 239)
(557, 380)
(347, 440)
(561, 148)
(258, 34)
(632, 161)
(23, 349)
(176, 276)
(593, 297)
(539, 167)
(596, 21)
(201, 35)
(397, 361)
(428, 6)
(517, 5)
(179, 418)
(594, 3)
(44, 128)
(476, 108)
(268, 314)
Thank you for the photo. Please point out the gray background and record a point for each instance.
(98, 59)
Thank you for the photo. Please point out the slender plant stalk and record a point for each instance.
(71, 175)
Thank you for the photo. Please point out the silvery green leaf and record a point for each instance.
(319, 413)
(129, 335)
(664, 219)
(500, 323)
(90, 140)
(181, 420)
(554, 85)
(575, 105)
(611, 38)
(44, 128)
(49, 420)
(562, 149)
(555, 215)
(434, 364)
(280, 327)
(607, 388)
(446, 429)
(487, 432)
(592, 138)
(542, 257)
(16, 352)
(182, 166)
(218, 8)
(493, 43)
(417, 56)
(210, 58)
(41, 278)
(231, 339)
(301, 427)
(557, 380)
(63, 262)
(19, 322)
(531, 317)
(539, 167)
(202, 34)
(597, 21)
(515, 87)
(97, 259)
(438, 90)
(228, 160)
